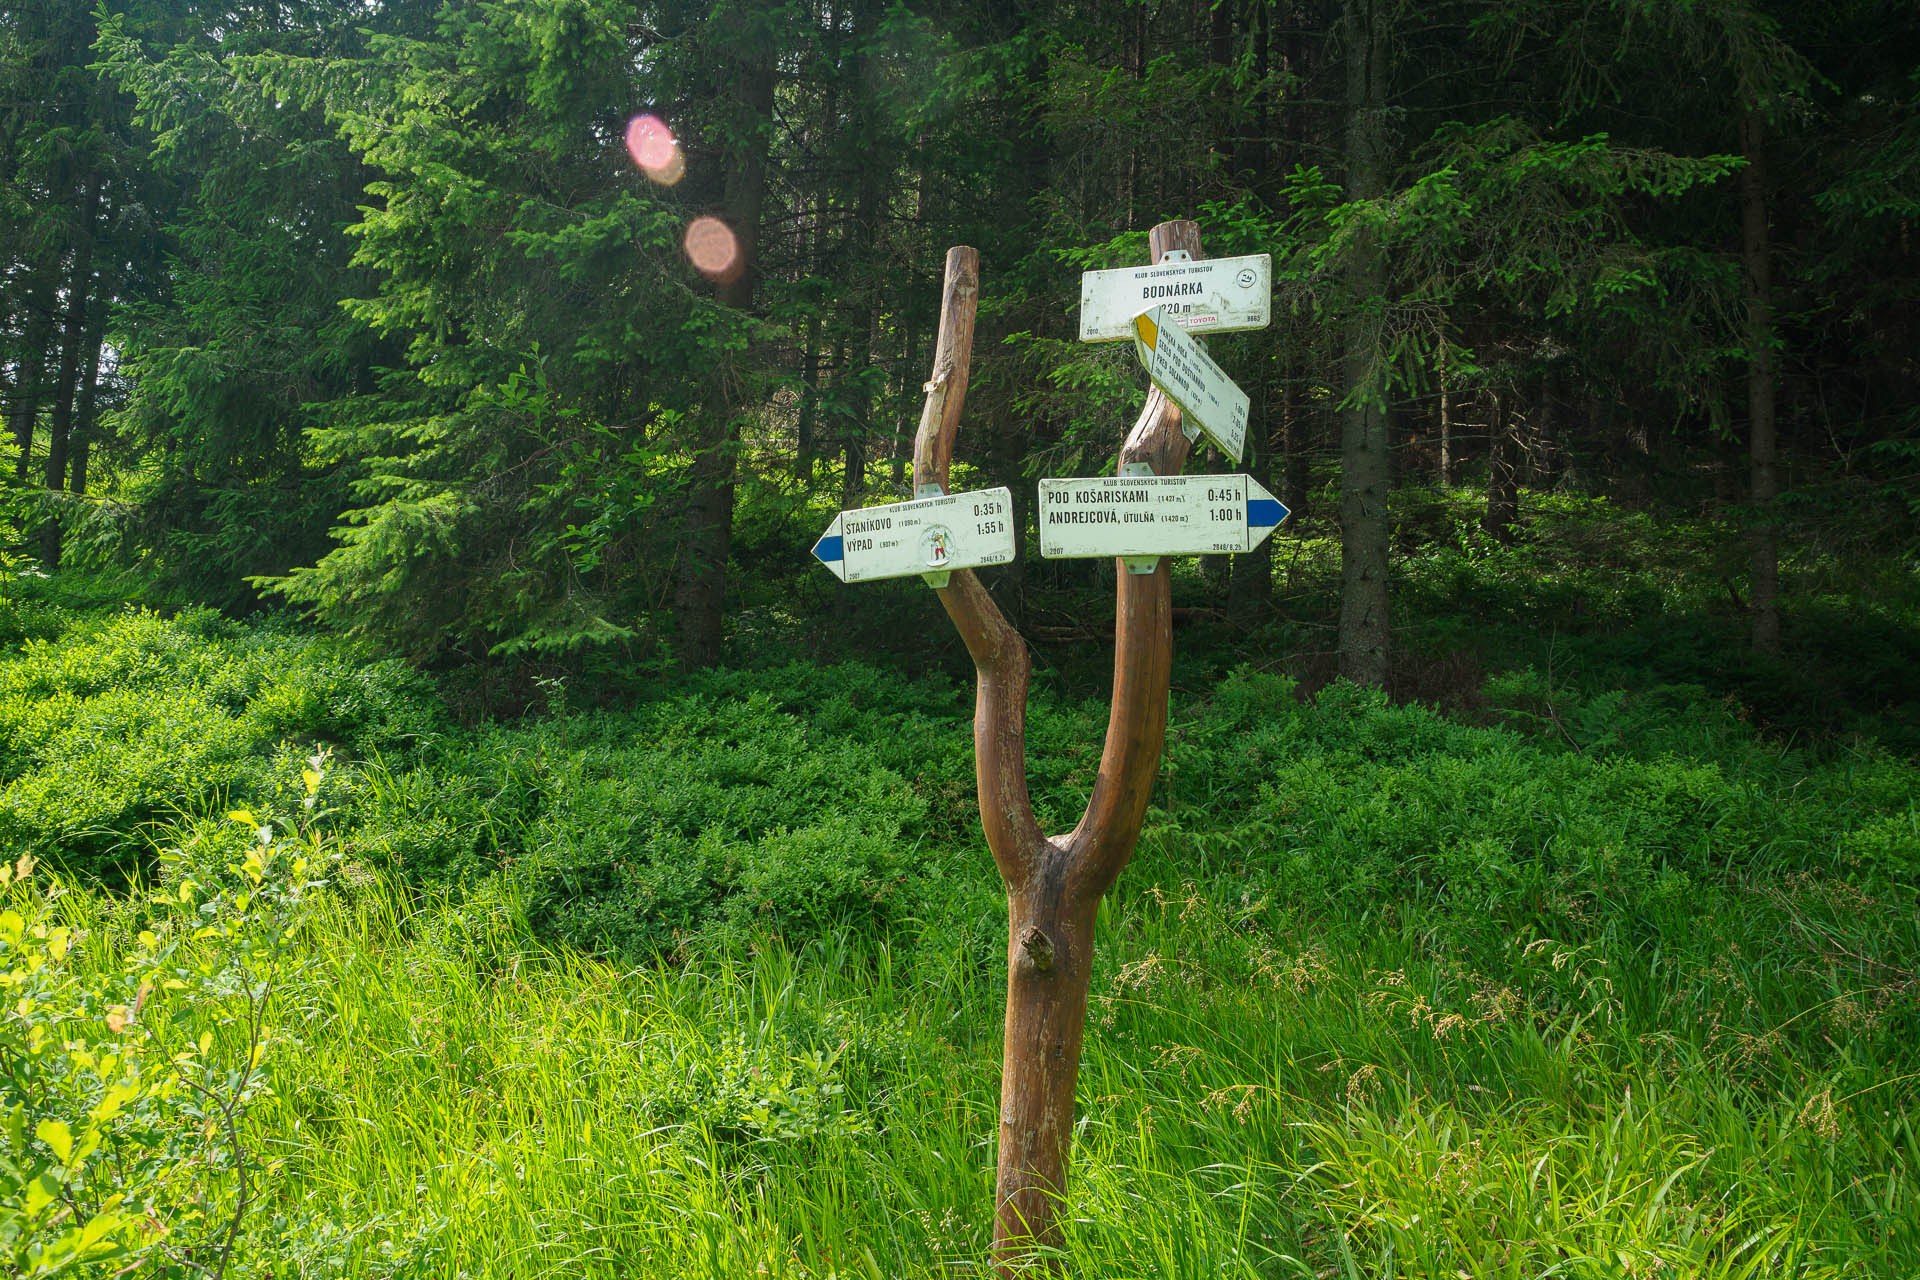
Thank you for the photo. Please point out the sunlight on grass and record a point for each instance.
(1256, 1101)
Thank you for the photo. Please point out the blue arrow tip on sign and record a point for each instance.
(1263, 513)
(828, 550)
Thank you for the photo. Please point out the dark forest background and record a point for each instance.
(366, 308)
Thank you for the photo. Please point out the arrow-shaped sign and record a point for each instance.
(1215, 295)
(1182, 368)
(927, 535)
(1155, 516)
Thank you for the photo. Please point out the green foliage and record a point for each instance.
(798, 1072)
(1360, 800)
(725, 812)
(1502, 216)
(798, 799)
(561, 357)
(128, 1066)
(396, 329)
(713, 981)
(230, 339)
(1612, 972)
(133, 718)
(579, 493)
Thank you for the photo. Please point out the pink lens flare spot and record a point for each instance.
(713, 249)
(654, 148)
(675, 169)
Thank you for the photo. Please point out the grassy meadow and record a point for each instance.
(1608, 969)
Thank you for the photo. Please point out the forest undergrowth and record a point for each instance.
(1600, 972)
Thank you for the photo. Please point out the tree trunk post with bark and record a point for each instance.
(1054, 884)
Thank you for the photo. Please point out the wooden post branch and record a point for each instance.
(1054, 885)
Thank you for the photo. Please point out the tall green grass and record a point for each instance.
(1264, 1094)
(1611, 984)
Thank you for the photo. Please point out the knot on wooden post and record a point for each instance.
(1038, 948)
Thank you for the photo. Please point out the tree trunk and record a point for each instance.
(1446, 423)
(699, 599)
(59, 436)
(1302, 431)
(29, 389)
(88, 412)
(898, 462)
(1218, 571)
(1365, 466)
(1544, 460)
(1624, 428)
(1252, 587)
(863, 303)
(805, 446)
(1763, 482)
(700, 592)
(1054, 886)
(1503, 479)
(809, 400)
(854, 467)
(1300, 426)
(73, 342)
(1253, 576)
(1252, 153)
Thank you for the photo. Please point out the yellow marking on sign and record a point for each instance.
(1149, 331)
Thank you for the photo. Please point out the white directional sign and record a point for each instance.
(1216, 295)
(1154, 515)
(927, 535)
(1182, 368)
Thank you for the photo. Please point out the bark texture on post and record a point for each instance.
(1054, 885)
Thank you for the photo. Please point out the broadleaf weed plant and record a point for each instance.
(128, 1066)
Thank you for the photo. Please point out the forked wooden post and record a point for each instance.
(1054, 885)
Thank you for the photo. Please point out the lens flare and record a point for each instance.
(713, 249)
(650, 142)
(655, 149)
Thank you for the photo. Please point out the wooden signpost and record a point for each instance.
(1055, 883)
